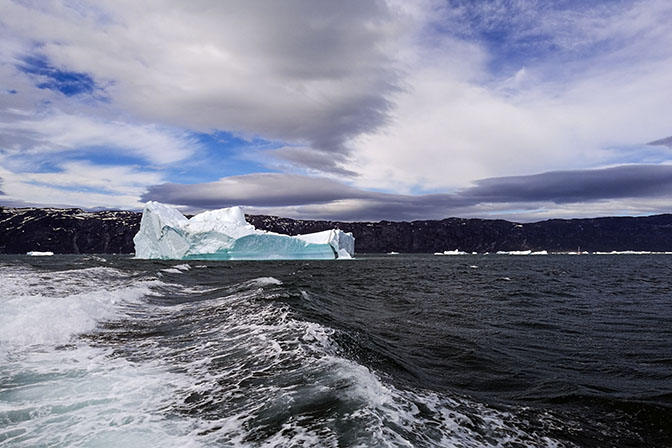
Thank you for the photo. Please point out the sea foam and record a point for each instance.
(38, 308)
(60, 388)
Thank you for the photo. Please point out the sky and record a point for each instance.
(351, 110)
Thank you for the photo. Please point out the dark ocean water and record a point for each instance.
(380, 351)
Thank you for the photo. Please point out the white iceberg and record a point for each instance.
(37, 253)
(452, 252)
(225, 235)
(514, 252)
(522, 252)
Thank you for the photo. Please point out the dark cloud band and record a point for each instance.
(662, 142)
(283, 190)
(628, 181)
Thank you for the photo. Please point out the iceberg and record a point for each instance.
(223, 234)
(522, 252)
(514, 252)
(37, 253)
(451, 252)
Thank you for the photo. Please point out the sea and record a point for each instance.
(377, 351)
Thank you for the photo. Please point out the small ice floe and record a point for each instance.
(522, 252)
(514, 252)
(37, 253)
(627, 252)
(451, 252)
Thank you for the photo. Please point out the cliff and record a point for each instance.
(650, 233)
(67, 231)
(77, 231)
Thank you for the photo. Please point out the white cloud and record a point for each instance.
(83, 175)
(79, 184)
(308, 72)
(60, 132)
(456, 122)
(448, 133)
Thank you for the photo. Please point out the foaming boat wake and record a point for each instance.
(59, 389)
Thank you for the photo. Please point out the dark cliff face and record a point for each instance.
(76, 231)
(650, 233)
(67, 231)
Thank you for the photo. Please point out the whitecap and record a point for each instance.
(86, 396)
(265, 281)
(48, 308)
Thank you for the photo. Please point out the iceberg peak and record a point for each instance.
(224, 234)
(231, 215)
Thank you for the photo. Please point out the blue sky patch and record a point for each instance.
(47, 76)
(223, 154)
(106, 156)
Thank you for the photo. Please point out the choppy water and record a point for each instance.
(380, 351)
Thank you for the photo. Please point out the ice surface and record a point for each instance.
(225, 235)
(514, 252)
(451, 252)
(37, 253)
(632, 252)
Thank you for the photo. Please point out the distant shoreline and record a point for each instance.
(72, 231)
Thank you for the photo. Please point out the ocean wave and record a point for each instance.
(59, 387)
(83, 396)
(38, 307)
(261, 376)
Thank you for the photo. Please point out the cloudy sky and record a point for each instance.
(350, 110)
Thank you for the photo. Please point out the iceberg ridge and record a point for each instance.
(224, 234)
